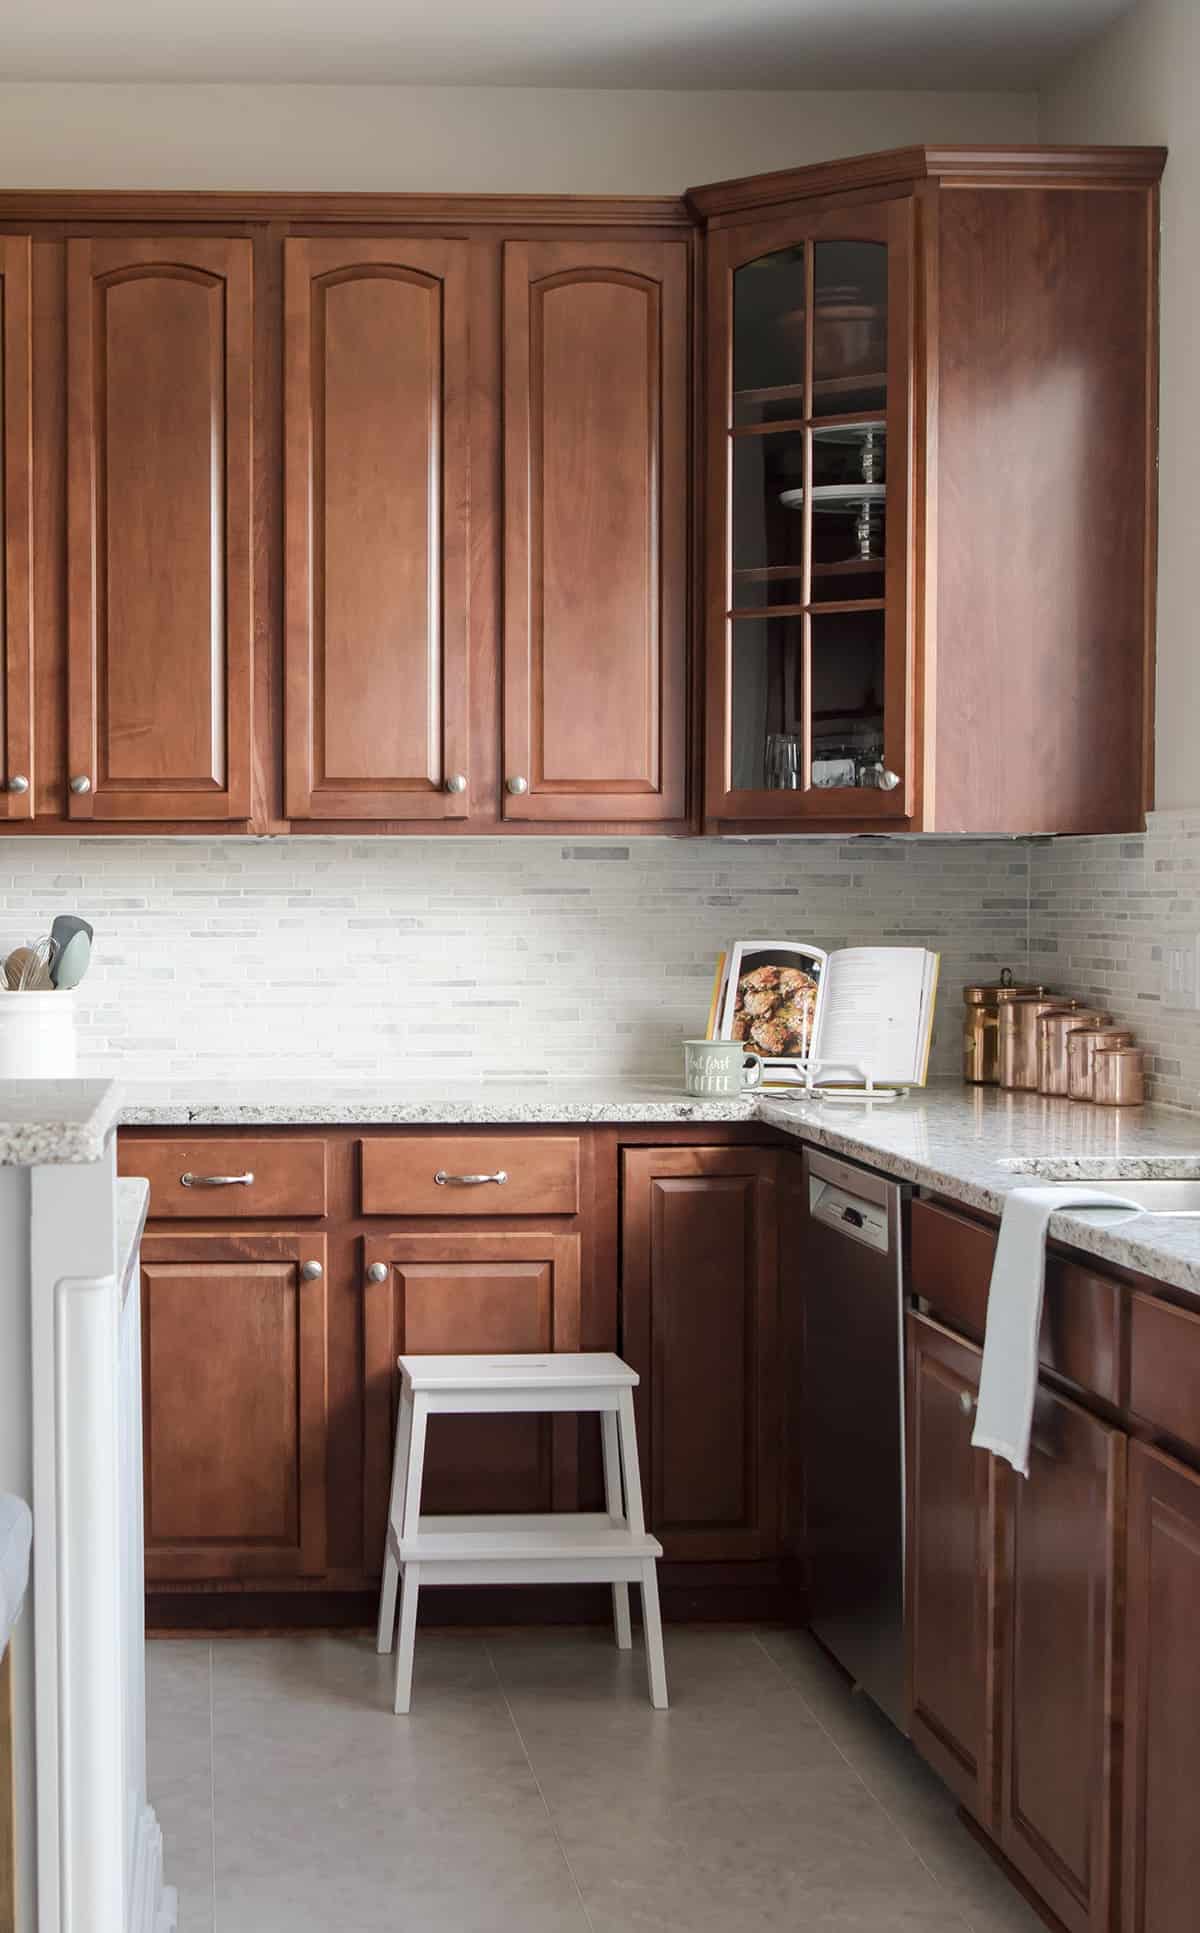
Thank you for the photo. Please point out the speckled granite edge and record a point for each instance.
(59, 1123)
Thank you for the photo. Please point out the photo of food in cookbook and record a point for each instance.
(770, 997)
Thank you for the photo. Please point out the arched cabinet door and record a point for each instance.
(160, 347)
(16, 489)
(375, 425)
(596, 488)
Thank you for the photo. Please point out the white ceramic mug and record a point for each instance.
(719, 1067)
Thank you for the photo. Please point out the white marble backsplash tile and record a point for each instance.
(1102, 913)
(481, 959)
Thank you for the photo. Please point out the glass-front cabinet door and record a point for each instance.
(809, 705)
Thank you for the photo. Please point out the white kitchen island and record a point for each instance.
(89, 1851)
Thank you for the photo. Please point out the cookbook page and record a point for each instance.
(873, 1011)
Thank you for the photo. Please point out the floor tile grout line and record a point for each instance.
(512, 1716)
(867, 1787)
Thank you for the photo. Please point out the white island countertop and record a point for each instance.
(954, 1139)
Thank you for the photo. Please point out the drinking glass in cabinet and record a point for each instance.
(783, 762)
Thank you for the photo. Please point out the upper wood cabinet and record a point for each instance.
(160, 360)
(926, 605)
(596, 530)
(375, 427)
(16, 506)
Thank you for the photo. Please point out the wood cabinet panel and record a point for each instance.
(596, 488)
(375, 425)
(1063, 1530)
(160, 349)
(699, 1322)
(1160, 1845)
(541, 1174)
(235, 1421)
(16, 509)
(282, 1174)
(950, 1568)
(1164, 1367)
(471, 1293)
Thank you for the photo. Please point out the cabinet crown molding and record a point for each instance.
(250, 205)
(896, 167)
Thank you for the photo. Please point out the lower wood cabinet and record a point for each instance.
(470, 1293)
(235, 1405)
(1161, 1847)
(950, 1568)
(1059, 1588)
(699, 1322)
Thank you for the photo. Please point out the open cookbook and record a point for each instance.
(862, 1013)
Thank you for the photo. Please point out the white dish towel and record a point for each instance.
(1008, 1380)
(16, 1526)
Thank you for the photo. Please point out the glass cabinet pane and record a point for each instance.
(847, 666)
(768, 521)
(849, 326)
(767, 701)
(768, 329)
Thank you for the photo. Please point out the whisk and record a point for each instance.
(27, 968)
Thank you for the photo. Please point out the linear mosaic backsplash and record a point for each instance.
(1102, 914)
(476, 960)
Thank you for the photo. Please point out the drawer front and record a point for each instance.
(229, 1180)
(1081, 1319)
(471, 1174)
(1164, 1371)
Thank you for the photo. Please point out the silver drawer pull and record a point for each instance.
(444, 1180)
(189, 1180)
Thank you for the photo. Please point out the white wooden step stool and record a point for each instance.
(606, 1547)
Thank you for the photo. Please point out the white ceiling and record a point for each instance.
(848, 44)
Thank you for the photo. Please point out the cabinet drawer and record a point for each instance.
(1164, 1372)
(436, 1174)
(229, 1180)
(1081, 1319)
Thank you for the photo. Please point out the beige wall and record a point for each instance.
(506, 140)
(1140, 85)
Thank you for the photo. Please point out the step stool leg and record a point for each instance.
(410, 1588)
(391, 1571)
(629, 1460)
(411, 1519)
(656, 1664)
(615, 1505)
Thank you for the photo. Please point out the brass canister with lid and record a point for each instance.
(1082, 1047)
(1054, 1031)
(1019, 1037)
(981, 1025)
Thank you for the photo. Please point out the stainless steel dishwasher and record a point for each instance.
(851, 1411)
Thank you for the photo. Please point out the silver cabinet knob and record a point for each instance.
(517, 784)
(81, 783)
(18, 783)
(966, 1402)
(311, 1271)
(456, 782)
(887, 781)
(377, 1272)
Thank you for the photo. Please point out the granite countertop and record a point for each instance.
(61, 1121)
(967, 1143)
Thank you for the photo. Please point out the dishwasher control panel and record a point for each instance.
(851, 1214)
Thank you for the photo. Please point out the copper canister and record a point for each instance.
(1054, 1031)
(1119, 1076)
(1082, 1048)
(981, 1026)
(1019, 1037)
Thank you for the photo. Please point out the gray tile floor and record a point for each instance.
(533, 1789)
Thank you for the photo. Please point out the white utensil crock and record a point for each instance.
(37, 1035)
